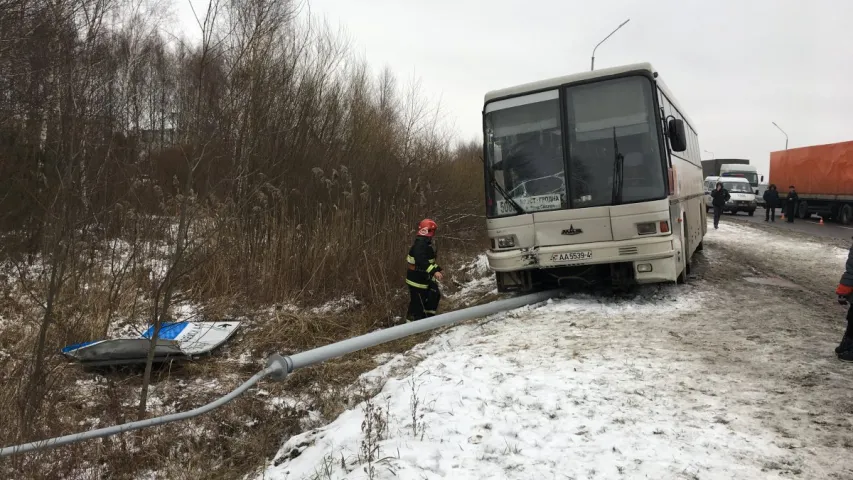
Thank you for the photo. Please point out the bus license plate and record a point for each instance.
(571, 256)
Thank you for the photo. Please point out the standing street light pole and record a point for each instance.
(714, 157)
(783, 133)
(592, 64)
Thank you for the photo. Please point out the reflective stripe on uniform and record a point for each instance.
(431, 268)
(430, 311)
(416, 285)
(432, 260)
(410, 259)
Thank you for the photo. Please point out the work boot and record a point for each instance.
(846, 356)
(844, 345)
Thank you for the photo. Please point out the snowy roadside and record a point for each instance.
(493, 403)
(655, 386)
(818, 265)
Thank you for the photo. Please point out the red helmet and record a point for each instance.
(426, 228)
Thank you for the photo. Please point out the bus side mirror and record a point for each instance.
(762, 178)
(677, 135)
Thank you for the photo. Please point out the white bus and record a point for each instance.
(594, 177)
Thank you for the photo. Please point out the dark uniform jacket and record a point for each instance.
(792, 198)
(771, 198)
(720, 197)
(422, 264)
(845, 285)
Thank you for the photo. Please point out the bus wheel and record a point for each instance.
(685, 252)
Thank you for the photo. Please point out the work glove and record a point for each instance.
(842, 300)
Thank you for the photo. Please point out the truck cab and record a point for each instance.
(749, 172)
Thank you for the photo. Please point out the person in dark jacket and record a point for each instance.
(720, 196)
(791, 203)
(422, 273)
(844, 292)
(771, 199)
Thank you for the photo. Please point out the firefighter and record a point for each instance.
(422, 273)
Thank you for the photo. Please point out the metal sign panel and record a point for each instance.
(175, 341)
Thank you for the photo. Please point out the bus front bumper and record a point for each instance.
(654, 259)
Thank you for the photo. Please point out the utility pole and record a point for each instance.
(592, 64)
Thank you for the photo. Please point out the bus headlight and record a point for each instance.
(644, 267)
(504, 242)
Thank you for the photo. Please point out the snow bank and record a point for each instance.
(551, 391)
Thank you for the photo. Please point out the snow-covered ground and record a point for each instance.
(728, 376)
(482, 282)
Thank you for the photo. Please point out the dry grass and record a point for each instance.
(238, 438)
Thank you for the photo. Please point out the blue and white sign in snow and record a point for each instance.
(180, 340)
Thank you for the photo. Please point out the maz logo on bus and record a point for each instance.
(571, 231)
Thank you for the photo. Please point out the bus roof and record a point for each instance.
(579, 77)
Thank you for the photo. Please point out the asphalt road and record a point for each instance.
(811, 226)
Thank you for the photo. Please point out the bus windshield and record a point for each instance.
(606, 118)
(525, 147)
(525, 154)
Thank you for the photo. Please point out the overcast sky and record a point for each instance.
(734, 66)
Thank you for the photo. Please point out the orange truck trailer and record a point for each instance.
(823, 177)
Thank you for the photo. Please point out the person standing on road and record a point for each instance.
(720, 196)
(422, 273)
(771, 199)
(791, 203)
(844, 292)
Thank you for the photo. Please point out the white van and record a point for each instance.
(759, 194)
(741, 192)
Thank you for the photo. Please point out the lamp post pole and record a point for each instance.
(592, 63)
(783, 133)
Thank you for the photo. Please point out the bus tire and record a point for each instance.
(682, 277)
(685, 251)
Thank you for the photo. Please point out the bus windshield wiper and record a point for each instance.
(506, 196)
(617, 172)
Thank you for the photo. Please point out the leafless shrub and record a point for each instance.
(260, 165)
(373, 429)
(415, 407)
